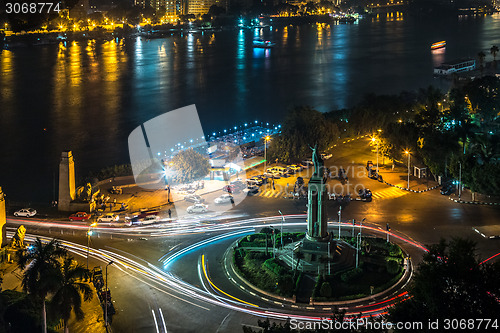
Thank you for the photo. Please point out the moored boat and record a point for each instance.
(263, 43)
(438, 45)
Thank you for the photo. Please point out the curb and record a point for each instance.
(410, 190)
(475, 202)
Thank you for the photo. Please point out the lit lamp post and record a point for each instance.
(407, 152)
(89, 233)
(106, 297)
(267, 138)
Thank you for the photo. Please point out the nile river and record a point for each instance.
(89, 96)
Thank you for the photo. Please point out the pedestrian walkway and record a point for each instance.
(270, 193)
(389, 193)
(398, 177)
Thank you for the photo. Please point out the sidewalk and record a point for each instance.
(399, 178)
(469, 197)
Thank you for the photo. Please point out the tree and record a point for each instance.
(302, 128)
(450, 281)
(189, 165)
(40, 265)
(70, 287)
(494, 51)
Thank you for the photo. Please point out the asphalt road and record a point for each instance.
(146, 305)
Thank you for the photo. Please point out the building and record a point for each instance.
(170, 6)
(201, 7)
(456, 66)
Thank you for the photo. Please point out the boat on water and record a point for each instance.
(438, 45)
(263, 43)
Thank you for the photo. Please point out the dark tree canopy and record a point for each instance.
(303, 128)
(451, 283)
(189, 165)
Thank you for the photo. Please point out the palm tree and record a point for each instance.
(40, 265)
(494, 51)
(70, 288)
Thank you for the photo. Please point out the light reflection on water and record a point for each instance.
(90, 95)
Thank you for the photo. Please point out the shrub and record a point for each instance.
(393, 267)
(394, 250)
(325, 290)
(352, 274)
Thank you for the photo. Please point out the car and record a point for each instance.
(225, 198)
(253, 182)
(197, 208)
(294, 168)
(150, 219)
(144, 213)
(194, 198)
(277, 169)
(80, 216)
(448, 189)
(231, 189)
(238, 184)
(252, 189)
(326, 156)
(25, 212)
(110, 217)
(273, 174)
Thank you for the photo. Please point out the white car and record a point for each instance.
(197, 208)
(108, 218)
(225, 198)
(26, 212)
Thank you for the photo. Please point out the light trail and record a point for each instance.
(181, 290)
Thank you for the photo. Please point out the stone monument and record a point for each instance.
(318, 245)
(67, 190)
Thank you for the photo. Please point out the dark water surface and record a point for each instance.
(89, 96)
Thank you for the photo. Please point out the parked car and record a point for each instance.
(448, 189)
(231, 189)
(252, 189)
(110, 217)
(194, 198)
(273, 174)
(80, 216)
(225, 198)
(294, 168)
(25, 212)
(238, 184)
(197, 208)
(253, 182)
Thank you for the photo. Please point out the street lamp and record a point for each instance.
(89, 233)
(407, 152)
(267, 138)
(282, 221)
(106, 296)
(340, 213)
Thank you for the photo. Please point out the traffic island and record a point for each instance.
(282, 273)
